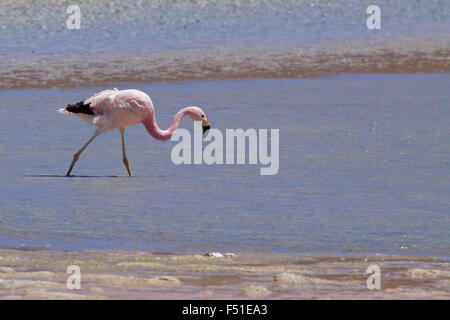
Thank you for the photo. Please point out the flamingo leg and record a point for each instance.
(124, 153)
(77, 155)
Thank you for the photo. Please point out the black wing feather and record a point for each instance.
(80, 107)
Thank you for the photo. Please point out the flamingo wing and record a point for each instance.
(125, 107)
(113, 109)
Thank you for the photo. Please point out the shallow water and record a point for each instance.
(158, 25)
(364, 162)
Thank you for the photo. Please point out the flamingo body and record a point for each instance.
(116, 109)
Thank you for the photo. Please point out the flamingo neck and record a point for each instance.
(150, 124)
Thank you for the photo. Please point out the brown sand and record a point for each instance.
(41, 274)
(48, 71)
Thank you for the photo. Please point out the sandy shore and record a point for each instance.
(81, 70)
(41, 274)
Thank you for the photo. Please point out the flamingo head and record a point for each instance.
(197, 114)
(205, 126)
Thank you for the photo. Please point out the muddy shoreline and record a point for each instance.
(84, 70)
(41, 274)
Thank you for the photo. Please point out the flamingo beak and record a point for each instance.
(205, 126)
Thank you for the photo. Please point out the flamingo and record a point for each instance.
(116, 109)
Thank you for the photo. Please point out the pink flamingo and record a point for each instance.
(116, 109)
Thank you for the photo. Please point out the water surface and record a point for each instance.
(364, 162)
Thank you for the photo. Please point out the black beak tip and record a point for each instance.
(205, 130)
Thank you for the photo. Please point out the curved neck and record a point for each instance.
(153, 129)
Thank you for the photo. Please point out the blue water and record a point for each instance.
(364, 168)
(158, 25)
